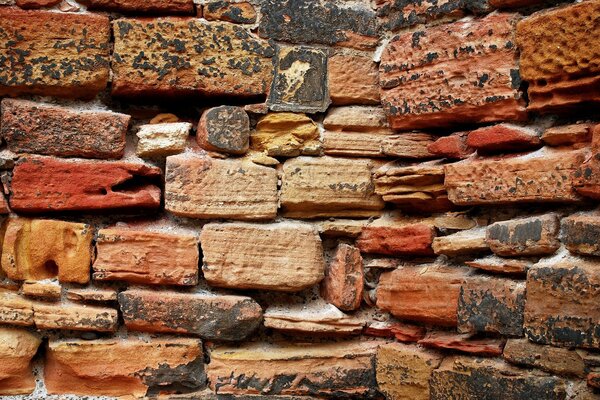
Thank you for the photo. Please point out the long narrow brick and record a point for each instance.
(143, 6)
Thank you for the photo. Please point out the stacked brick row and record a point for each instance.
(297, 199)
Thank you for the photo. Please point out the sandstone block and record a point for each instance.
(445, 340)
(212, 317)
(188, 57)
(543, 176)
(460, 243)
(285, 256)
(146, 257)
(344, 279)
(397, 239)
(43, 184)
(452, 73)
(403, 371)
(341, 227)
(489, 304)
(561, 305)
(580, 233)
(353, 78)
(316, 369)
(113, 367)
(52, 54)
(426, 293)
(559, 56)
(406, 145)
(328, 187)
(310, 21)
(17, 348)
(503, 137)
(30, 127)
(143, 6)
(225, 129)
(286, 135)
(38, 249)
(453, 146)
(300, 80)
(357, 119)
(567, 134)
(555, 360)
(165, 139)
(239, 13)
(203, 187)
(467, 378)
(524, 236)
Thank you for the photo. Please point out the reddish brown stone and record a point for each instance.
(17, 348)
(92, 295)
(189, 59)
(531, 236)
(225, 129)
(344, 279)
(32, 4)
(426, 293)
(500, 265)
(503, 137)
(399, 330)
(587, 176)
(208, 316)
(143, 6)
(463, 343)
(453, 73)
(559, 54)
(353, 78)
(547, 175)
(453, 146)
(567, 134)
(77, 317)
(53, 54)
(227, 10)
(42, 184)
(593, 379)
(146, 257)
(30, 127)
(397, 239)
(129, 367)
(49, 291)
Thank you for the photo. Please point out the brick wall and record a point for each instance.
(300, 199)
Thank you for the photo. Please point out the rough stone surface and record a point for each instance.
(551, 359)
(77, 317)
(328, 187)
(299, 81)
(531, 236)
(330, 23)
(357, 119)
(33, 4)
(52, 54)
(239, 13)
(453, 73)
(561, 305)
(460, 243)
(38, 249)
(567, 134)
(467, 378)
(495, 264)
(580, 233)
(43, 184)
(342, 369)
(146, 257)
(160, 140)
(212, 317)
(492, 305)
(444, 340)
(559, 56)
(17, 348)
(425, 293)
(403, 371)
(503, 137)
(344, 279)
(353, 78)
(286, 135)
(177, 56)
(49, 291)
(92, 295)
(401, 331)
(202, 187)
(587, 176)
(453, 146)
(397, 239)
(113, 367)
(286, 256)
(143, 6)
(534, 177)
(30, 127)
(224, 129)
(15, 309)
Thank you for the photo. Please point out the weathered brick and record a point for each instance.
(15, 309)
(143, 6)
(503, 137)
(44, 184)
(33, 4)
(227, 10)
(53, 54)
(453, 73)
(224, 129)
(123, 367)
(501, 265)
(92, 295)
(77, 317)
(209, 316)
(567, 134)
(587, 176)
(397, 239)
(142, 256)
(556, 360)
(464, 343)
(38, 249)
(530, 236)
(188, 57)
(559, 56)
(317, 369)
(48, 291)
(328, 187)
(462, 242)
(546, 175)
(312, 21)
(164, 139)
(580, 233)
(255, 256)
(344, 279)
(561, 305)
(30, 127)
(17, 348)
(453, 146)
(489, 304)
(353, 78)
(286, 134)
(198, 186)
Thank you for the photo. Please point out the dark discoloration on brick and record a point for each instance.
(581, 233)
(210, 317)
(310, 21)
(224, 128)
(527, 236)
(143, 6)
(239, 13)
(180, 378)
(300, 81)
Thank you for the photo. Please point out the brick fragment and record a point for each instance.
(224, 129)
(344, 279)
(17, 348)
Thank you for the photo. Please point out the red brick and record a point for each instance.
(143, 6)
(453, 146)
(463, 343)
(344, 279)
(397, 240)
(503, 137)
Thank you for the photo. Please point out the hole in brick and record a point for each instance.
(51, 268)
(133, 184)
